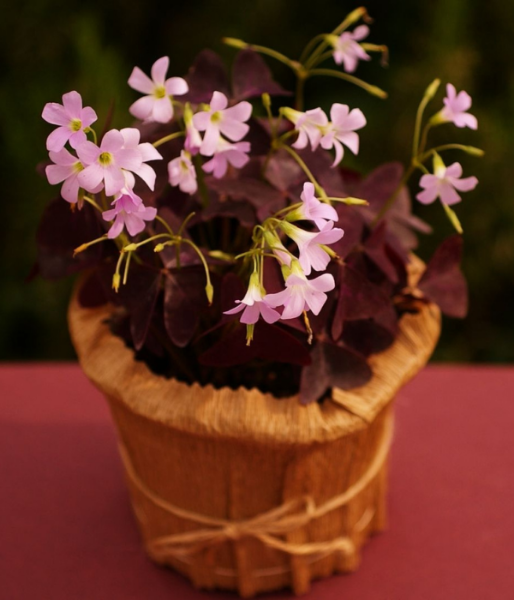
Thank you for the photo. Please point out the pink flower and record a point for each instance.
(312, 209)
(72, 120)
(181, 172)
(341, 130)
(156, 105)
(277, 247)
(131, 137)
(226, 153)
(130, 212)
(443, 183)
(222, 120)
(193, 140)
(254, 305)
(66, 169)
(301, 293)
(108, 163)
(348, 51)
(455, 107)
(309, 126)
(312, 245)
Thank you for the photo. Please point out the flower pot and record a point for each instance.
(238, 490)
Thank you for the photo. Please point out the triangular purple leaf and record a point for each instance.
(443, 282)
(251, 77)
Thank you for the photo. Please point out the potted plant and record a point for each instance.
(249, 306)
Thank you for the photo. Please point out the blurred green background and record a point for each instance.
(49, 47)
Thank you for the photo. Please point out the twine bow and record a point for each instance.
(265, 527)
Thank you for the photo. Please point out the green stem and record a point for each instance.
(92, 202)
(125, 274)
(371, 89)
(310, 46)
(165, 224)
(306, 170)
(469, 149)
(292, 64)
(168, 138)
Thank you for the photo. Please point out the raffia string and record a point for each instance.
(264, 527)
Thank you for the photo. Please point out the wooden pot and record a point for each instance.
(238, 490)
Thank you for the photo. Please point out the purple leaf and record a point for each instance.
(270, 343)
(92, 292)
(139, 296)
(251, 77)
(60, 231)
(443, 282)
(352, 223)
(332, 366)
(375, 248)
(359, 298)
(264, 198)
(367, 336)
(184, 300)
(206, 75)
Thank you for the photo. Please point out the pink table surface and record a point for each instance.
(67, 532)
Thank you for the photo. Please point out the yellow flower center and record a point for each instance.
(216, 117)
(78, 167)
(105, 159)
(76, 125)
(160, 92)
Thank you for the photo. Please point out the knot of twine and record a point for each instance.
(265, 527)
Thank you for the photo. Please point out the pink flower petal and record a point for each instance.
(201, 120)
(210, 141)
(70, 189)
(454, 170)
(128, 158)
(218, 102)
(55, 114)
(448, 194)
(57, 173)
(142, 109)
(77, 138)
(323, 283)
(91, 177)
(428, 196)
(239, 112)
(351, 140)
(159, 70)
(63, 158)
(72, 102)
(251, 314)
(360, 32)
(88, 152)
(176, 86)
(162, 110)
(235, 310)
(57, 139)
(117, 227)
(315, 301)
(464, 185)
(234, 130)
(140, 82)
(147, 174)
(112, 141)
(88, 116)
(131, 137)
(277, 299)
(268, 314)
(294, 307)
(113, 179)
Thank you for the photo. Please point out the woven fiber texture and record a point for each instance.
(238, 490)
